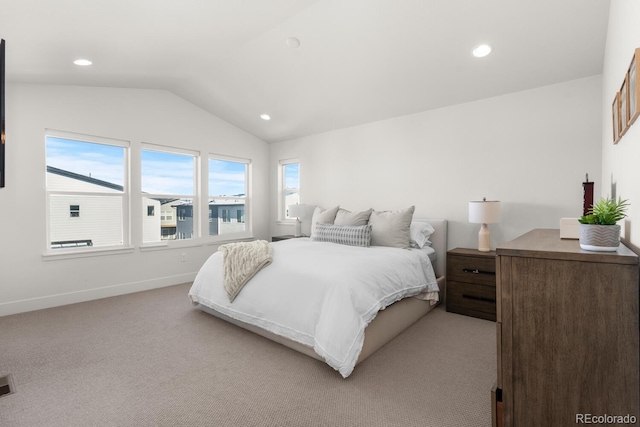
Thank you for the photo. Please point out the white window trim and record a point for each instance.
(84, 252)
(282, 219)
(61, 253)
(248, 212)
(197, 227)
(200, 203)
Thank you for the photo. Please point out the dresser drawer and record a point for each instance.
(470, 269)
(474, 300)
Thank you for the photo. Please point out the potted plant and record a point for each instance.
(598, 229)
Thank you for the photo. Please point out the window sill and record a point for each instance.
(84, 253)
(159, 246)
(290, 222)
(218, 242)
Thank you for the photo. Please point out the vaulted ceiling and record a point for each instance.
(358, 60)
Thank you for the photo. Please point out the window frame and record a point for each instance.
(69, 251)
(283, 189)
(134, 202)
(195, 198)
(248, 231)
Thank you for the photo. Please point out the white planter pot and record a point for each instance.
(599, 237)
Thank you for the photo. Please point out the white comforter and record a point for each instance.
(320, 294)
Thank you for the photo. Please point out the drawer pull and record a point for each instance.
(486, 299)
(476, 271)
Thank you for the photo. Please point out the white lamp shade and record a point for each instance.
(484, 212)
(296, 211)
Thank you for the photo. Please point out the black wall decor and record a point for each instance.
(2, 132)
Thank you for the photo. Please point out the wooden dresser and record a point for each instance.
(567, 325)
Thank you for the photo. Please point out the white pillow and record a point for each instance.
(323, 217)
(419, 233)
(345, 217)
(391, 228)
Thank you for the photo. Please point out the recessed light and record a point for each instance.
(293, 42)
(482, 50)
(265, 117)
(82, 62)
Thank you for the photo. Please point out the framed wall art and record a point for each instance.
(634, 88)
(624, 107)
(615, 116)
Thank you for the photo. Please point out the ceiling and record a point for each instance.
(358, 61)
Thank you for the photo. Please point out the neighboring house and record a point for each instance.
(225, 216)
(77, 219)
(184, 220)
(89, 213)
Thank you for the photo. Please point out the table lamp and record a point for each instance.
(296, 211)
(484, 212)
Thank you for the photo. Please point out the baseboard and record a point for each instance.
(49, 301)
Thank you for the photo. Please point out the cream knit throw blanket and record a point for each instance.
(241, 261)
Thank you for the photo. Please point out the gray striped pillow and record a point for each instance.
(353, 235)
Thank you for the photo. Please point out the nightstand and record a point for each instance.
(285, 237)
(471, 283)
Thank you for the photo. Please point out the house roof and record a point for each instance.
(84, 178)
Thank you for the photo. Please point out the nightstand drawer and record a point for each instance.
(466, 298)
(471, 269)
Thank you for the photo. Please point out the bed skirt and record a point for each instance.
(387, 324)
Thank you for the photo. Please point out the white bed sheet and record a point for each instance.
(320, 294)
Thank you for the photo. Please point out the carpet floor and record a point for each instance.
(151, 359)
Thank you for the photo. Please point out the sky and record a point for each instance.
(292, 175)
(162, 172)
(105, 162)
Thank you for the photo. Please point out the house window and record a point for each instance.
(151, 210)
(168, 233)
(168, 181)
(228, 195)
(289, 186)
(85, 171)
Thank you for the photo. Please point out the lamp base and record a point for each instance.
(298, 232)
(484, 239)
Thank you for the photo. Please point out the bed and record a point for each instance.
(270, 301)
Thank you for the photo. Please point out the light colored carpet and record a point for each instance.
(151, 359)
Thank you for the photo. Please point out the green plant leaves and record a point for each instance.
(606, 212)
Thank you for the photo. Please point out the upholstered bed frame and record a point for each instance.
(389, 322)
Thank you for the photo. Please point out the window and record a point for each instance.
(228, 180)
(85, 174)
(289, 186)
(225, 215)
(151, 210)
(168, 185)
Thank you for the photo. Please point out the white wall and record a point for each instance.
(530, 150)
(621, 162)
(27, 280)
